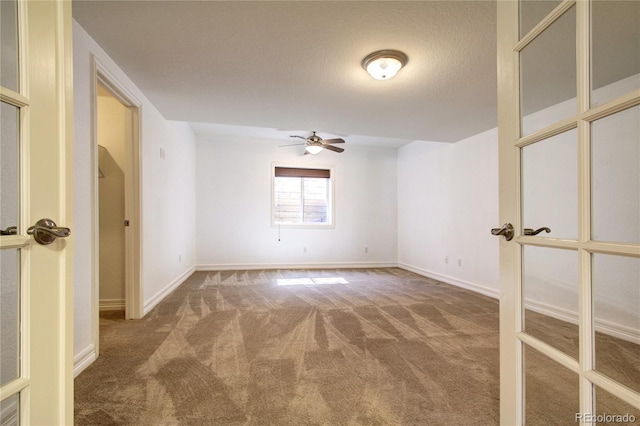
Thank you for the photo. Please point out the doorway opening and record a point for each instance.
(115, 135)
(115, 201)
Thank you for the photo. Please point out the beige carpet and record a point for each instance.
(307, 347)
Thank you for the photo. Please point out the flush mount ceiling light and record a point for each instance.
(384, 64)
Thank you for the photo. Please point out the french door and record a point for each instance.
(569, 137)
(36, 168)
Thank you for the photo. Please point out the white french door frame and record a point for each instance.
(44, 98)
(512, 336)
(133, 241)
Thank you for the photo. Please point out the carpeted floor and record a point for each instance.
(309, 347)
(388, 347)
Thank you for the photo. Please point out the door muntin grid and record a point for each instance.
(578, 114)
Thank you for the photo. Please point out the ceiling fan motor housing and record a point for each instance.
(314, 138)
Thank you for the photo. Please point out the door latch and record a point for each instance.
(45, 231)
(12, 230)
(529, 231)
(505, 230)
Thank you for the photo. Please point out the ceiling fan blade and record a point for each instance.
(333, 140)
(296, 136)
(292, 144)
(333, 148)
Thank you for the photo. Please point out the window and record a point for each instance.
(302, 196)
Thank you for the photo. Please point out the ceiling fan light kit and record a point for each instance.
(313, 149)
(315, 144)
(384, 64)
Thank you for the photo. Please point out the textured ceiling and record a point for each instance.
(295, 66)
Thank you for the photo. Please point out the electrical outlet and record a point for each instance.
(446, 259)
(162, 153)
(304, 249)
(366, 249)
(459, 261)
(179, 258)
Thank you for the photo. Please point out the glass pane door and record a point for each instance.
(9, 69)
(578, 149)
(11, 294)
(35, 183)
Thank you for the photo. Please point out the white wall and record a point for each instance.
(114, 134)
(82, 180)
(168, 207)
(167, 199)
(233, 209)
(447, 203)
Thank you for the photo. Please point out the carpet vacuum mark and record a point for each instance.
(233, 348)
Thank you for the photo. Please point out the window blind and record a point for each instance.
(302, 173)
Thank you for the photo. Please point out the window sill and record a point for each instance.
(303, 225)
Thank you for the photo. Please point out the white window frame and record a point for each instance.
(331, 217)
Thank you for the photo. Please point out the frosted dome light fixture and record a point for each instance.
(313, 149)
(384, 64)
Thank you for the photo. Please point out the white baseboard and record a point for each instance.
(468, 285)
(111, 304)
(319, 265)
(83, 359)
(607, 327)
(157, 298)
(620, 331)
(552, 311)
(603, 326)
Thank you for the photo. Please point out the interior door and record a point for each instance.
(36, 314)
(569, 146)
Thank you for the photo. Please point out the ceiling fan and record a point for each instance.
(315, 144)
